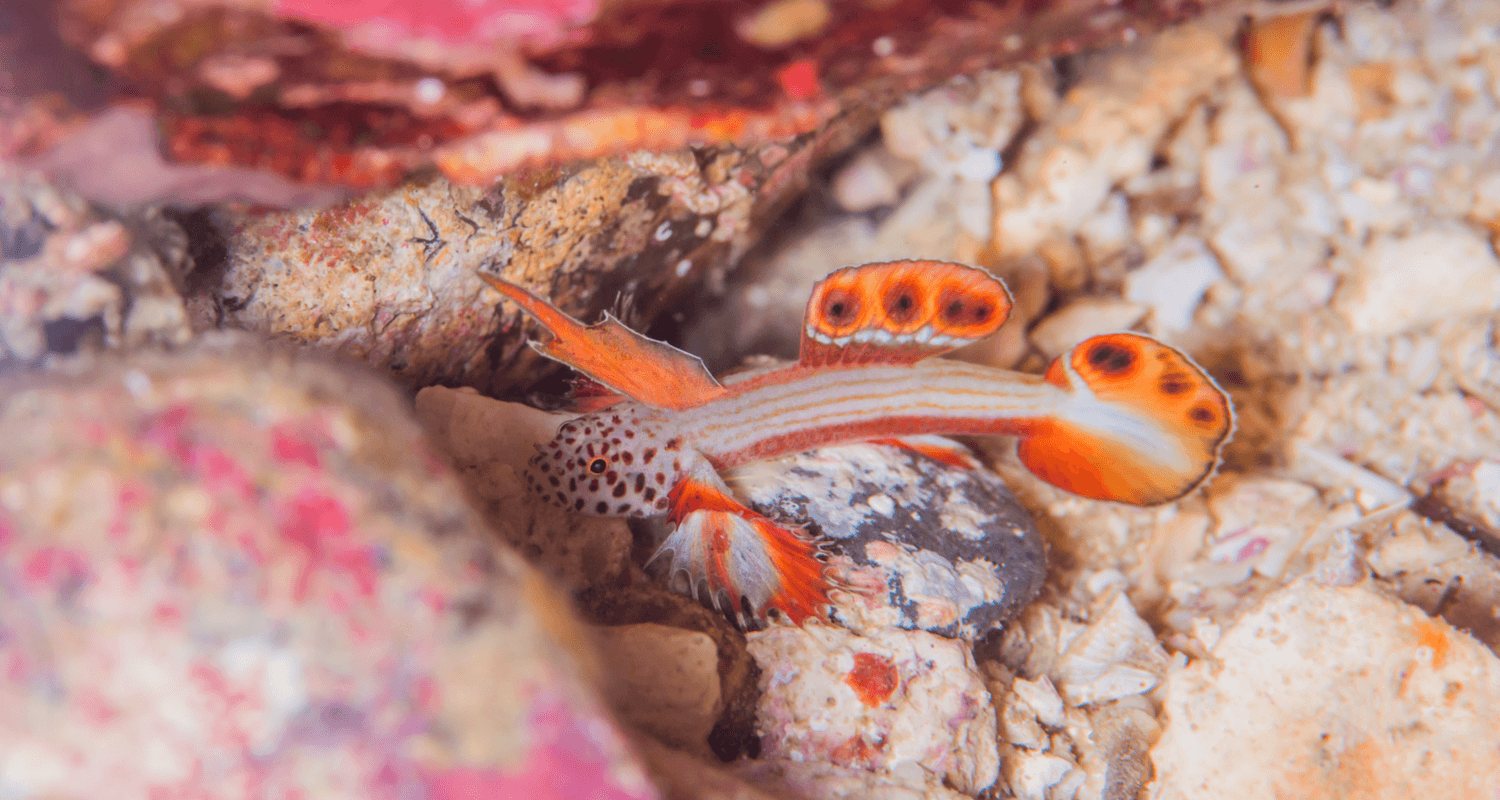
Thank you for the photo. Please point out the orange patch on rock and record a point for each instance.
(1430, 634)
(1279, 53)
(874, 678)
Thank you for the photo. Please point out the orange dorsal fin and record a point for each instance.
(900, 312)
(586, 395)
(643, 369)
(733, 553)
(1142, 424)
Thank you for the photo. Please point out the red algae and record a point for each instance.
(874, 678)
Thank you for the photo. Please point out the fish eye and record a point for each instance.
(598, 466)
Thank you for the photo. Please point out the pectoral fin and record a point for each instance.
(739, 555)
(937, 448)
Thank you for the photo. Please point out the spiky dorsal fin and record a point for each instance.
(900, 312)
(643, 369)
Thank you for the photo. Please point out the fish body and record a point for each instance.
(1120, 417)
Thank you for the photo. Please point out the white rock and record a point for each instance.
(867, 181)
(1106, 130)
(1069, 786)
(1107, 231)
(820, 779)
(1486, 206)
(974, 206)
(1081, 319)
(1199, 575)
(1377, 35)
(663, 680)
(897, 700)
(1042, 697)
(1035, 773)
(1330, 693)
(1313, 208)
(1242, 164)
(1329, 112)
(1371, 205)
(1414, 545)
(1259, 242)
(1444, 272)
(1486, 476)
(1018, 726)
(1260, 522)
(1152, 231)
(903, 132)
(1173, 283)
(1327, 469)
(1116, 656)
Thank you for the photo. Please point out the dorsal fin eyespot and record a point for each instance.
(902, 302)
(842, 312)
(900, 312)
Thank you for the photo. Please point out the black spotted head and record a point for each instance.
(615, 462)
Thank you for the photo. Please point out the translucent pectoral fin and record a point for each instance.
(739, 555)
(937, 448)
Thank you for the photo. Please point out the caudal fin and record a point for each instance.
(1143, 423)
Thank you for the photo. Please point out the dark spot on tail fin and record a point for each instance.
(1149, 428)
(1110, 358)
(1175, 383)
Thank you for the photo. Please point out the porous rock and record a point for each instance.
(906, 705)
(74, 277)
(1332, 692)
(1398, 286)
(1081, 319)
(230, 567)
(923, 545)
(390, 278)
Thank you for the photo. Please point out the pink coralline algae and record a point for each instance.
(319, 524)
(569, 762)
(228, 573)
(483, 21)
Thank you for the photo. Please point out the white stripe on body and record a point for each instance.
(809, 406)
(959, 398)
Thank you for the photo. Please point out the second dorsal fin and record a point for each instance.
(900, 312)
(641, 368)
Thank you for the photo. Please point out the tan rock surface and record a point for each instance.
(1331, 693)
